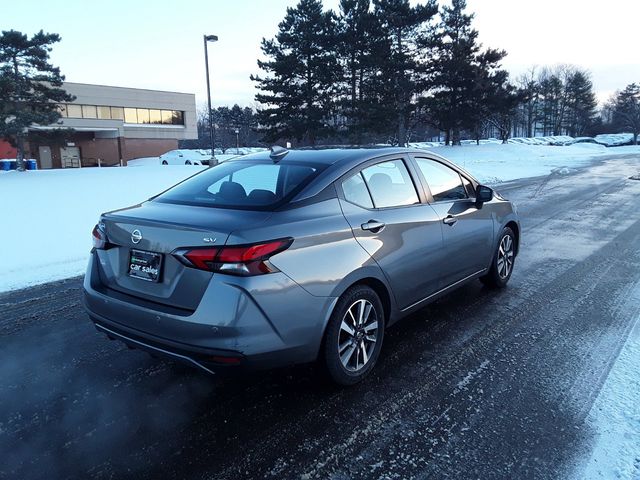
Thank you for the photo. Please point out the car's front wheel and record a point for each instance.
(354, 335)
(503, 261)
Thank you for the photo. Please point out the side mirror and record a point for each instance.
(483, 194)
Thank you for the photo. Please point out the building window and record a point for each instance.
(155, 116)
(177, 118)
(143, 115)
(89, 111)
(117, 113)
(104, 113)
(166, 117)
(130, 115)
(152, 116)
(74, 111)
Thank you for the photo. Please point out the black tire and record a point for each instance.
(367, 350)
(497, 277)
(188, 162)
(164, 162)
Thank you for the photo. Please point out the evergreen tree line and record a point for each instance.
(386, 71)
(621, 113)
(556, 101)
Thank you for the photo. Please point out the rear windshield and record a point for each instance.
(242, 184)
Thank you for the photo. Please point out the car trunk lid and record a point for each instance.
(160, 229)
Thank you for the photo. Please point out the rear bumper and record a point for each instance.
(176, 353)
(264, 322)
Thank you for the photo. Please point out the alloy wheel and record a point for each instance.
(505, 256)
(358, 335)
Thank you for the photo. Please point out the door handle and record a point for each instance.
(373, 226)
(450, 220)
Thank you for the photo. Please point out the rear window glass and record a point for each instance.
(242, 184)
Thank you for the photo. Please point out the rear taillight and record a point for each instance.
(99, 237)
(242, 260)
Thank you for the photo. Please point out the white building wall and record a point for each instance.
(134, 97)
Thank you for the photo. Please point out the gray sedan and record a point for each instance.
(295, 256)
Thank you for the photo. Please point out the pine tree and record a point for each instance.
(29, 86)
(626, 110)
(362, 48)
(460, 69)
(581, 102)
(551, 101)
(529, 108)
(298, 91)
(501, 102)
(567, 102)
(404, 69)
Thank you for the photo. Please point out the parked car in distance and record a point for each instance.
(585, 140)
(296, 256)
(186, 157)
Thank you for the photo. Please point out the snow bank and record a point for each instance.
(495, 163)
(46, 216)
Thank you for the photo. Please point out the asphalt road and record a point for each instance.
(482, 384)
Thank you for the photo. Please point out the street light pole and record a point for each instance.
(210, 38)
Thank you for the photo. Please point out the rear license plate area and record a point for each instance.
(145, 265)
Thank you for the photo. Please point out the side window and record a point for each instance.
(390, 184)
(355, 191)
(444, 183)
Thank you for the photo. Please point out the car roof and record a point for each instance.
(329, 155)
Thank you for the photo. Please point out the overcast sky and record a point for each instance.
(158, 44)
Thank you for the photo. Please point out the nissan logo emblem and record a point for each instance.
(136, 236)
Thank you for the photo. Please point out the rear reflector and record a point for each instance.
(242, 260)
(226, 360)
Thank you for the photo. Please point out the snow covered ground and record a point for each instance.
(615, 416)
(47, 216)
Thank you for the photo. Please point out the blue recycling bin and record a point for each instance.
(13, 164)
(5, 165)
(31, 165)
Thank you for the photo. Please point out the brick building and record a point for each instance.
(6, 150)
(113, 124)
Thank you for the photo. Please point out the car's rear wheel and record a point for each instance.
(503, 261)
(353, 338)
